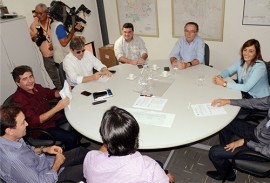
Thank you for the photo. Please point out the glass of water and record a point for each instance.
(200, 81)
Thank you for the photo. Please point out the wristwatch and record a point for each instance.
(225, 84)
(190, 63)
(41, 149)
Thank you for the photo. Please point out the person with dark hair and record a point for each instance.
(40, 32)
(240, 136)
(189, 50)
(79, 64)
(34, 102)
(119, 161)
(129, 48)
(23, 163)
(252, 78)
(61, 35)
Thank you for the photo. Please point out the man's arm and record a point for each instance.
(59, 106)
(254, 103)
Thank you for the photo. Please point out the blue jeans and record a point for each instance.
(237, 129)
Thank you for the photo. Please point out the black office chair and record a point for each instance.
(207, 55)
(62, 74)
(258, 168)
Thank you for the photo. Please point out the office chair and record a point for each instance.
(207, 55)
(62, 74)
(258, 168)
(90, 47)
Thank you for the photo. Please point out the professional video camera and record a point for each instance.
(58, 11)
(40, 35)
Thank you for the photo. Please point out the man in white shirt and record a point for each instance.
(79, 64)
(129, 48)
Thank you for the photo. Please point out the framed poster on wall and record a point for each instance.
(142, 14)
(256, 12)
(208, 14)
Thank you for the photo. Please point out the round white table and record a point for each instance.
(182, 92)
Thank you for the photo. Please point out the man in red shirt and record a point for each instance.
(34, 102)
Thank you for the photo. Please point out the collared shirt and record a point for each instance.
(255, 81)
(135, 168)
(20, 163)
(261, 131)
(183, 50)
(33, 105)
(44, 47)
(77, 69)
(131, 50)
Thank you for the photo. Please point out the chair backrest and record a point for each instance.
(206, 54)
(268, 70)
(91, 47)
(62, 74)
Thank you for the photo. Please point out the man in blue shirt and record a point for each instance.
(23, 163)
(189, 49)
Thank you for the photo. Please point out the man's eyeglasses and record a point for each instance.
(80, 51)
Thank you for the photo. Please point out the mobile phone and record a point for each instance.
(109, 91)
(86, 93)
(112, 71)
(166, 68)
(101, 95)
(140, 66)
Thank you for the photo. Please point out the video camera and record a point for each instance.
(58, 11)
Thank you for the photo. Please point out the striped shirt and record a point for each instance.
(20, 163)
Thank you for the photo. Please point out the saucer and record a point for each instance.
(128, 78)
(156, 68)
(165, 76)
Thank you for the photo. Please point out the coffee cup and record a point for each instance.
(131, 76)
(165, 73)
(154, 67)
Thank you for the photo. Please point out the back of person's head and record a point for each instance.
(193, 23)
(119, 131)
(257, 46)
(77, 43)
(128, 25)
(8, 114)
(20, 70)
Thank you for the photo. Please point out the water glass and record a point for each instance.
(200, 81)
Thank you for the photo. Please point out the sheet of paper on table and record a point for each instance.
(204, 110)
(151, 103)
(152, 117)
(65, 92)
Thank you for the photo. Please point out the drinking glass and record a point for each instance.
(200, 81)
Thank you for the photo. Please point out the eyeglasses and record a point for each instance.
(80, 51)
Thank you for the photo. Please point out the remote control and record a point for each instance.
(99, 102)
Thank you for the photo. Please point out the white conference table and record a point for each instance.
(186, 128)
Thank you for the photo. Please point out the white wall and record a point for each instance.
(91, 32)
(222, 54)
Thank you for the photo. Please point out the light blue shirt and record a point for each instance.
(183, 50)
(20, 163)
(255, 82)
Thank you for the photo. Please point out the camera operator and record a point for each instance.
(61, 39)
(40, 31)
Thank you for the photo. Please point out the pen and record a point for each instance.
(147, 95)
